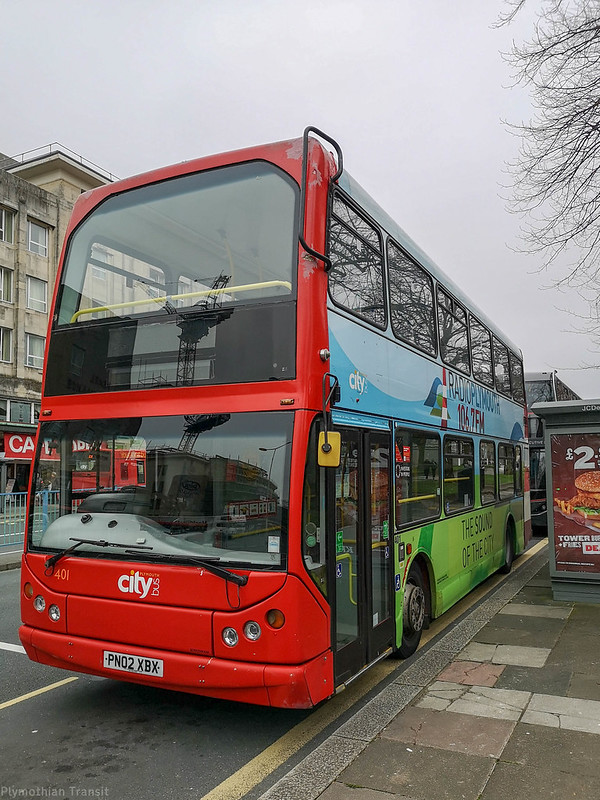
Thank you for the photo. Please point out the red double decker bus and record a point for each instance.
(322, 459)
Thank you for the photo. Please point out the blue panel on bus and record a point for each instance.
(359, 420)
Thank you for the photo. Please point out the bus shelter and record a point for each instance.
(572, 447)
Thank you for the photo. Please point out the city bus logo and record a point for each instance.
(134, 583)
(437, 400)
(358, 382)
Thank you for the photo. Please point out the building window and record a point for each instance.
(20, 412)
(6, 284)
(37, 237)
(7, 219)
(34, 350)
(37, 294)
(5, 345)
(3, 407)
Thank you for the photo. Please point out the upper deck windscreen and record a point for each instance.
(160, 281)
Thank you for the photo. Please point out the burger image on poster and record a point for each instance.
(587, 500)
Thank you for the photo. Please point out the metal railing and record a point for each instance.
(13, 515)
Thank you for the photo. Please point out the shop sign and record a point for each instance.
(19, 445)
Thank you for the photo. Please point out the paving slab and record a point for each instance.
(420, 772)
(514, 782)
(565, 712)
(454, 732)
(535, 746)
(575, 650)
(531, 610)
(546, 680)
(475, 651)
(473, 673)
(581, 685)
(529, 631)
(538, 595)
(341, 791)
(520, 656)
(481, 701)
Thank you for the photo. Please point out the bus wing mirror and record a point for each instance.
(330, 449)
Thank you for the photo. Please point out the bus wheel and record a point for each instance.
(509, 549)
(414, 612)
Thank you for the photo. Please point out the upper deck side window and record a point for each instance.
(481, 352)
(411, 301)
(356, 275)
(517, 382)
(225, 236)
(454, 339)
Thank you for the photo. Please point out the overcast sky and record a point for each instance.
(415, 92)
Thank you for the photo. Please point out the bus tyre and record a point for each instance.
(509, 550)
(414, 612)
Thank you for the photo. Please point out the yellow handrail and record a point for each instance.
(247, 287)
(419, 497)
(351, 575)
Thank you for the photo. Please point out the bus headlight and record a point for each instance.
(39, 603)
(54, 613)
(252, 631)
(230, 637)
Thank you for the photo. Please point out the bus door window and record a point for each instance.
(346, 531)
(418, 476)
(313, 516)
(380, 530)
(458, 474)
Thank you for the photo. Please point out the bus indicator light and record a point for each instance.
(275, 618)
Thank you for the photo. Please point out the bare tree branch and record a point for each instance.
(556, 178)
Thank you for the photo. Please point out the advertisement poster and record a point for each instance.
(576, 501)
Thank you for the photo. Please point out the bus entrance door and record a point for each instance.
(363, 618)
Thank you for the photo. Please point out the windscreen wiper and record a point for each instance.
(208, 562)
(98, 542)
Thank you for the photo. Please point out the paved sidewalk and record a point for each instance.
(505, 706)
(10, 558)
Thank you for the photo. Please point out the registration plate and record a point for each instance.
(137, 664)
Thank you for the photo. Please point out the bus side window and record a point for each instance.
(356, 277)
(487, 472)
(411, 301)
(506, 471)
(418, 475)
(459, 477)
